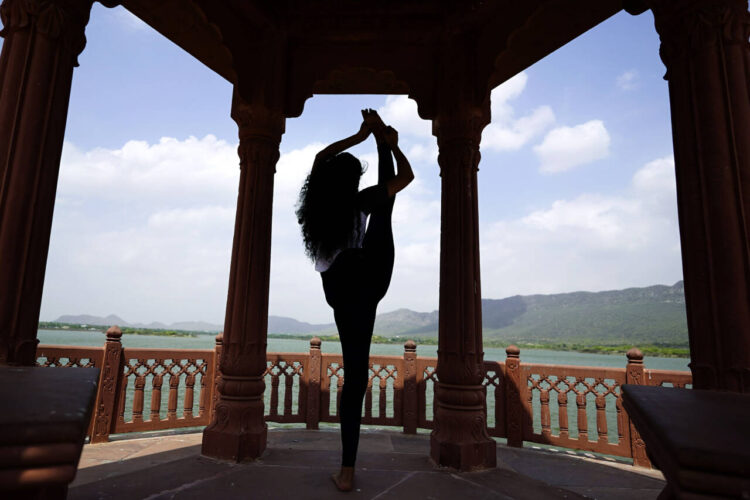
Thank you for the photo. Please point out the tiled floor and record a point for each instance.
(298, 463)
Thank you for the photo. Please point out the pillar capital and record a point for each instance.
(63, 20)
(688, 27)
(257, 120)
(465, 123)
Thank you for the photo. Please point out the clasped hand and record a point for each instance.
(372, 123)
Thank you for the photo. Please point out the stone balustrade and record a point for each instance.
(566, 406)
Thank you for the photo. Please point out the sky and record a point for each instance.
(576, 181)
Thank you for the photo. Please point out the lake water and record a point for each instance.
(68, 337)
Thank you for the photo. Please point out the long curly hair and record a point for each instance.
(326, 209)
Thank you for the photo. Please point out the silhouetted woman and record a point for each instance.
(354, 258)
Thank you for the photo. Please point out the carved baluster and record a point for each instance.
(274, 410)
(562, 409)
(528, 414)
(422, 400)
(288, 389)
(174, 384)
(368, 399)
(339, 388)
(156, 397)
(189, 394)
(583, 434)
(601, 418)
(621, 420)
(218, 349)
(206, 382)
(382, 398)
(123, 393)
(325, 393)
(544, 400)
(140, 383)
(312, 375)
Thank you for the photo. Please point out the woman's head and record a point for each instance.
(326, 207)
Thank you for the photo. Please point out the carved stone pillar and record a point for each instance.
(42, 42)
(704, 46)
(460, 438)
(238, 430)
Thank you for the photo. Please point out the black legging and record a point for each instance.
(353, 285)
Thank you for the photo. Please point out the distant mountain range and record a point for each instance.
(652, 314)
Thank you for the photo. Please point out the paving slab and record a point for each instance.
(566, 471)
(298, 464)
(148, 480)
(616, 493)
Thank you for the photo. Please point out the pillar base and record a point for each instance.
(461, 453)
(237, 434)
(233, 446)
(460, 439)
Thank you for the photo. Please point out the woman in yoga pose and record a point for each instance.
(355, 264)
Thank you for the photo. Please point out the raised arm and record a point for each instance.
(404, 173)
(342, 145)
(382, 133)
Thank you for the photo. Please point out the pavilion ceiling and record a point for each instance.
(288, 50)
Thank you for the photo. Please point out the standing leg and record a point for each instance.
(355, 325)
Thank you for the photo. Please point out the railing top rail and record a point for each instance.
(142, 352)
(495, 362)
(656, 371)
(594, 371)
(288, 354)
(76, 348)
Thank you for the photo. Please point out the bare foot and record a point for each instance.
(344, 479)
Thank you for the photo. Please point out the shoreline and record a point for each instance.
(650, 350)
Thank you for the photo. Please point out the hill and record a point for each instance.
(650, 315)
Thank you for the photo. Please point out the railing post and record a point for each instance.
(217, 374)
(634, 375)
(312, 373)
(109, 381)
(410, 387)
(513, 395)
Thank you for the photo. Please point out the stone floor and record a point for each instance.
(297, 464)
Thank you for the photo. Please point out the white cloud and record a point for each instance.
(589, 242)
(627, 80)
(401, 112)
(564, 148)
(506, 132)
(145, 231)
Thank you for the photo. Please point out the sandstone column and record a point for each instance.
(42, 41)
(460, 438)
(238, 430)
(704, 45)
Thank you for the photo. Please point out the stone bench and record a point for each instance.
(43, 424)
(699, 439)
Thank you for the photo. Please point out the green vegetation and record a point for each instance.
(648, 349)
(126, 330)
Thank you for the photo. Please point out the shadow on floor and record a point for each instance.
(298, 464)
